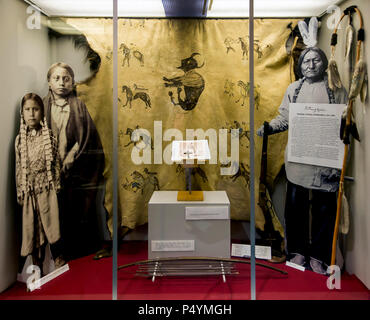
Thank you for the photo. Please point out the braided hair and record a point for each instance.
(23, 188)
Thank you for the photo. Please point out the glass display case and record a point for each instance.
(94, 94)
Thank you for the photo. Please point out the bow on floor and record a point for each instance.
(198, 259)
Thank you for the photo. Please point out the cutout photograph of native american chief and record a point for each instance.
(309, 247)
(82, 163)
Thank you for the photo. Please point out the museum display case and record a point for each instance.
(99, 203)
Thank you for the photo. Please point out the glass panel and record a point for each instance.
(182, 79)
(301, 97)
(277, 46)
(270, 39)
(58, 92)
(94, 184)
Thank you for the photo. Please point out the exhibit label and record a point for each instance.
(244, 250)
(295, 266)
(173, 245)
(313, 136)
(207, 213)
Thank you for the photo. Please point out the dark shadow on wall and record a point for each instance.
(13, 211)
(59, 30)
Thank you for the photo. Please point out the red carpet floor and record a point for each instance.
(90, 279)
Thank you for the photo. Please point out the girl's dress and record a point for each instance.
(37, 181)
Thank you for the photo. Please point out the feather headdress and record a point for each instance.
(309, 36)
(309, 33)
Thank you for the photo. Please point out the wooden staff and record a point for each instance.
(346, 143)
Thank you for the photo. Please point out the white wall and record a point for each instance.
(24, 61)
(357, 242)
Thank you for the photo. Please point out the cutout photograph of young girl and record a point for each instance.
(37, 181)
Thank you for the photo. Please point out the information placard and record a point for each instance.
(207, 213)
(313, 136)
(244, 250)
(173, 245)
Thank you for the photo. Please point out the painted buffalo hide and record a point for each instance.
(185, 74)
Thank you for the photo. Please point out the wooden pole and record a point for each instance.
(346, 147)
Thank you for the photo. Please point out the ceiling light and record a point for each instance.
(154, 8)
(269, 8)
(101, 8)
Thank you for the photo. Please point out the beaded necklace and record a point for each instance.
(22, 190)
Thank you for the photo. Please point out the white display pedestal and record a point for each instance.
(188, 228)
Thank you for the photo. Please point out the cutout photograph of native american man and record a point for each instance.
(309, 247)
